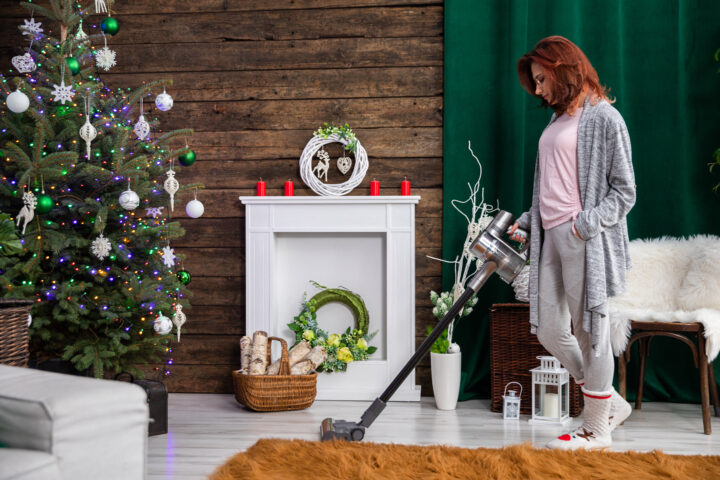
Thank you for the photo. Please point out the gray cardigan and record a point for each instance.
(607, 193)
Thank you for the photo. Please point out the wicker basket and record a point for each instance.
(14, 332)
(513, 352)
(274, 393)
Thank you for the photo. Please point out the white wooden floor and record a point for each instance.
(206, 429)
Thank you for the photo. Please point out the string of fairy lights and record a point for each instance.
(138, 238)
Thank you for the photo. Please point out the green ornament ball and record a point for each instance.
(187, 159)
(73, 65)
(44, 204)
(109, 26)
(184, 276)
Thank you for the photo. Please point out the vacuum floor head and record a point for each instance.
(341, 430)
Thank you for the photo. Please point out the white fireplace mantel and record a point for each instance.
(364, 244)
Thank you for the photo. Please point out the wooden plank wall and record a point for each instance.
(254, 78)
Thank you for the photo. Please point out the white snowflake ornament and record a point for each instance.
(169, 257)
(105, 58)
(179, 319)
(31, 27)
(154, 211)
(24, 63)
(62, 93)
(100, 247)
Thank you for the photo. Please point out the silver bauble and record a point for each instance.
(162, 325)
(164, 101)
(129, 200)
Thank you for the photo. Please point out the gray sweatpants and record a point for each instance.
(561, 300)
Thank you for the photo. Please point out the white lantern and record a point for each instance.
(550, 392)
(511, 402)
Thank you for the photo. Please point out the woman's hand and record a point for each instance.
(575, 232)
(518, 237)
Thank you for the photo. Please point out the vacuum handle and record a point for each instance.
(522, 233)
(474, 284)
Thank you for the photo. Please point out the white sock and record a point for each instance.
(597, 412)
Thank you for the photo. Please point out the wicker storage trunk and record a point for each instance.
(14, 332)
(513, 352)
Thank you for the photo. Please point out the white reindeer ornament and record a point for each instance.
(323, 165)
(27, 212)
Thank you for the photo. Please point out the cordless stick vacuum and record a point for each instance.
(500, 258)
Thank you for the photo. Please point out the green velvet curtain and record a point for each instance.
(657, 58)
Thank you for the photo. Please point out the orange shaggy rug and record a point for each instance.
(298, 459)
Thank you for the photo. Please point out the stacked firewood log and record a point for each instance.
(303, 358)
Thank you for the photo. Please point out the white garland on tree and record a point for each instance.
(466, 265)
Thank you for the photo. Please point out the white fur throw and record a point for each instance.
(672, 280)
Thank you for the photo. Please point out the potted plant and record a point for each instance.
(445, 356)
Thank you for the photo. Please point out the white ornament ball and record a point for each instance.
(194, 209)
(129, 200)
(164, 101)
(454, 348)
(18, 102)
(162, 325)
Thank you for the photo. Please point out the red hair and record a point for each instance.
(568, 70)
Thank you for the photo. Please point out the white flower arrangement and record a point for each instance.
(466, 265)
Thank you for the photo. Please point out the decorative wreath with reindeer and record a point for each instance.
(312, 175)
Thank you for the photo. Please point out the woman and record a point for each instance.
(584, 187)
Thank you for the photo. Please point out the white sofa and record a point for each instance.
(672, 280)
(55, 426)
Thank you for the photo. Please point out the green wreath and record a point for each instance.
(342, 348)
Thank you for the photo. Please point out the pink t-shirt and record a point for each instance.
(559, 188)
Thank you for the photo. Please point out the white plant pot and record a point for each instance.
(445, 368)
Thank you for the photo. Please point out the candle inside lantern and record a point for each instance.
(261, 188)
(550, 405)
(289, 189)
(405, 187)
(374, 188)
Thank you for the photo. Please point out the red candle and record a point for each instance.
(374, 188)
(260, 188)
(289, 189)
(405, 187)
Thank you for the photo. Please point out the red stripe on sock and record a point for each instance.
(599, 397)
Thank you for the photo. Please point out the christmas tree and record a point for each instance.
(91, 185)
